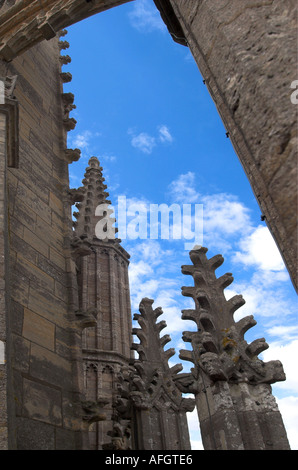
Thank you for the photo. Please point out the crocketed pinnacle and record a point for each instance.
(94, 202)
(219, 346)
(154, 381)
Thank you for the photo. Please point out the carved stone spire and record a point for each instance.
(148, 389)
(93, 194)
(151, 351)
(231, 383)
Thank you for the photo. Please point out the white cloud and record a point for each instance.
(286, 332)
(259, 249)
(168, 299)
(151, 252)
(182, 189)
(263, 300)
(137, 270)
(149, 278)
(81, 140)
(145, 17)
(85, 142)
(144, 288)
(224, 216)
(107, 158)
(146, 142)
(228, 228)
(143, 142)
(164, 134)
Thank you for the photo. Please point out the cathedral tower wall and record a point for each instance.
(40, 363)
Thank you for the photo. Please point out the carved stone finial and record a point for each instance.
(65, 59)
(93, 410)
(68, 98)
(62, 33)
(151, 346)
(66, 77)
(72, 155)
(94, 207)
(63, 45)
(85, 319)
(219, 347)
(9, 86)
(94, 163)
(81, 246)
(69, 123)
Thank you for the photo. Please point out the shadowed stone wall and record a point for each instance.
(43, 390)
(3, 260)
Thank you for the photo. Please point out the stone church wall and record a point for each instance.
(40, 366)
(3, 250)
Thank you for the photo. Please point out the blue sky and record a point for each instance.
(142, 108)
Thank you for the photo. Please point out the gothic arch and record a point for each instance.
(107, 378)
(91, 380)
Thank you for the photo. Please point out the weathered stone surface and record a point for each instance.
(42, 403)
(38, 329)
(34, 435)
(48, 366)
(20, 354)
